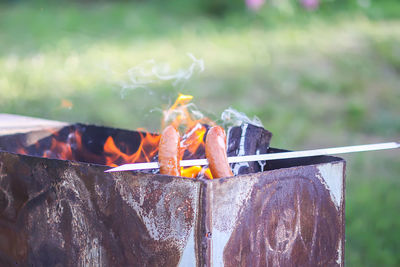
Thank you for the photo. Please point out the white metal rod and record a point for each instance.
(269, 156)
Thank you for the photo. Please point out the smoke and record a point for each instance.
(150, 74)
(231, 117)
(153, 78)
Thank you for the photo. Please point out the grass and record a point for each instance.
(315, 79)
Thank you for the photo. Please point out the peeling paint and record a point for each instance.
(331, 176)
(227, 209)
(162, 224)
(187, 259)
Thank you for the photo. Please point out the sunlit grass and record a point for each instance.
(249, 68)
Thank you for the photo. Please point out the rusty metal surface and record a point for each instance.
(284, 217)
(63, 213)
(58, 213)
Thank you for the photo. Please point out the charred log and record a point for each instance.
(248, 139)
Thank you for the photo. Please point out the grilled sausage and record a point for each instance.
(168, 153)
(216, 153)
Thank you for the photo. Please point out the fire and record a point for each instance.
(181, 117)
(146, 151)
(191, 172)
(195, 129)
(64, 150)
(192, 125)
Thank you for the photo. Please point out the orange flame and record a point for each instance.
(195, 130)
(181, 114)
(146, 151)
(192, 141)
(191, 172)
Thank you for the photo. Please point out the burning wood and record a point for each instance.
(248, 139)
(117, 149)
(194, 146)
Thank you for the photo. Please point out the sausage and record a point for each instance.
(216, 153)
(168, 152)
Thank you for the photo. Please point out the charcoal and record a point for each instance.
(248, 139)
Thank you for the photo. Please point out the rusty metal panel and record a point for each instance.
(69, 213)
(284, 217)
(73, 214)
(56, 212)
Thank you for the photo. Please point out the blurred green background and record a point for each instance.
(316, 78)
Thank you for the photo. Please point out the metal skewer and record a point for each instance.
(270, 156)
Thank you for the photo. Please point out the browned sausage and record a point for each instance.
(216, 153)
(168, 153)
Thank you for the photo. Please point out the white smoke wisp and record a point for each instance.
(151, 73)
(231, 117)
